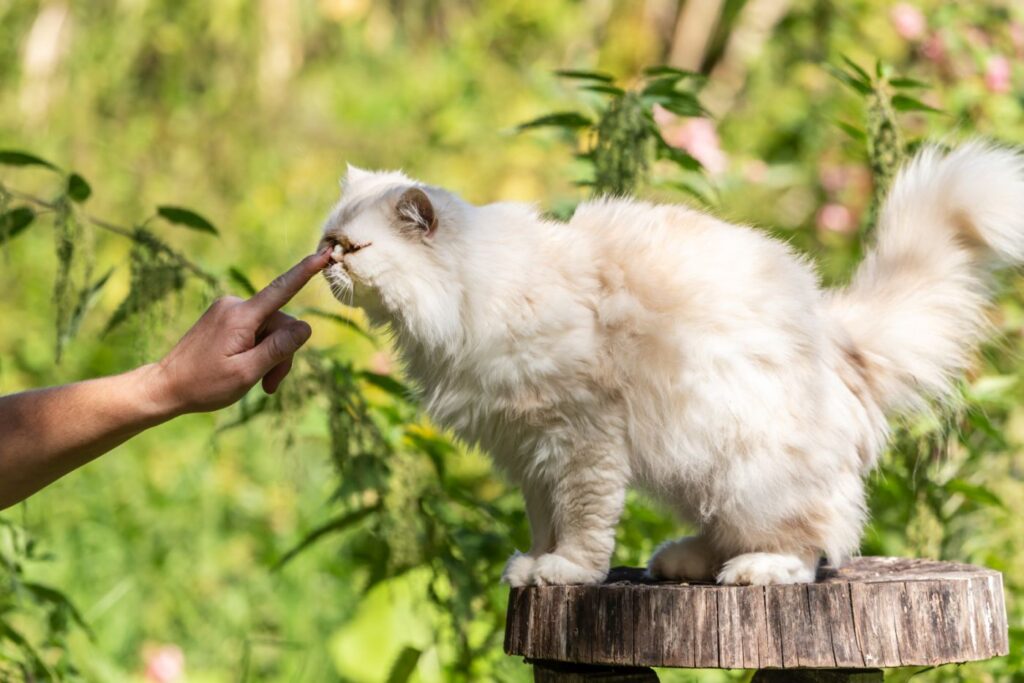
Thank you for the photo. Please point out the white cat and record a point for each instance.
(659, 347)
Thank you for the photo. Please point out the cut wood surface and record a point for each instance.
(875, 612)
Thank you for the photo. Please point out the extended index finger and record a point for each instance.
(285, 286)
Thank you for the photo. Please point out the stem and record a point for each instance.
(116, 229)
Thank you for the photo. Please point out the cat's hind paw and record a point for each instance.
(555, 570)
(518, 570)
(687, 558)
(765, 569)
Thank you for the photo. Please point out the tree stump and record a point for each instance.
(876, 612)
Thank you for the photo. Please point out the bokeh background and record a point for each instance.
(247, 112)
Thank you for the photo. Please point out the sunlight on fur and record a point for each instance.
(659, 347)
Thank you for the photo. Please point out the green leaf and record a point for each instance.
(853, 131)
(908, 83)
(340, 320)
(605, 89)
(848, 80)
(975, 493)
(678, 156)
(86, 298)
(78, 189)
(58, 599)
(585, 75)
(693, 192)
(243, 283)
(339, 523)
(861, 74)
(665, 70)
(12, 157)
(15, 222)
(904, 103)
(405, 665)
(990, 388)
(682, 106)
(564, 119)
(388, 384)
(186, 218)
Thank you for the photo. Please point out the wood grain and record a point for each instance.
(876, 612)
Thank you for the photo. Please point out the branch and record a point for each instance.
(117, 230)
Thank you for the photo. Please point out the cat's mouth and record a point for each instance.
(343, 246)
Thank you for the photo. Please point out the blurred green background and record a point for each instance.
(248, 112)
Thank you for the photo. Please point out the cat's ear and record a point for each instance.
(353, 175)
(414, 208)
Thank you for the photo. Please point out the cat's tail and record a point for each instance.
(915, 309)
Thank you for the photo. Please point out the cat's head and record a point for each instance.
(395, 253)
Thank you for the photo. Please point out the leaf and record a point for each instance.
(848, 80)
(186, 218)
(405, 665)
(339, 523)
(564, 119)
(861, 73)
(339, 319)
(585, 75)
(388, 384)
(665, 70)
(853, 131)
(683, 106)
(15, 222)
(680, 157)
(693, 192)
(239, 278)
(904, 103)
(992, 387)
(78, 188)
(605, 89)
(12, 157)
(975, 493)
(908, 83)
(58, 599)
(86, 298)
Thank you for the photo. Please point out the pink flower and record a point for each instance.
(834, 178)
(997, 74)
(164, 664)
(836, 218)
(934, 48)
(908, 21)
(698, 137)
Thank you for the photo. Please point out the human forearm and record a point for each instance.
(47, 433)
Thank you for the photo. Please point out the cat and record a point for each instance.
(659, 347)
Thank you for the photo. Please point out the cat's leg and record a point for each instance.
(587, 501)
(519, 568)
(764, 569)
(691, 557)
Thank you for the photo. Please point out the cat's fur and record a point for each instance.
(660, 347)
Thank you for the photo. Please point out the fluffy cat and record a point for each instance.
(660, 347)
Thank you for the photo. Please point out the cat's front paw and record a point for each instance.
(555, 570)
(518, 570)
(765, 569)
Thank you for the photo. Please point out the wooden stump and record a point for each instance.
(876, 612)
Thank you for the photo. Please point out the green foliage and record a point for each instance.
(622, 140)
(35, 619)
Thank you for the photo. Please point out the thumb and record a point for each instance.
(280, 345)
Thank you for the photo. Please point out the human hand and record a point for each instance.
(234, 345)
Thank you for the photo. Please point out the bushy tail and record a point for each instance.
(915, 309)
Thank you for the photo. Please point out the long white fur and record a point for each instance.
(658, 347)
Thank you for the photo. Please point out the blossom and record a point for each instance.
(164, 664)
(997, 74)
(696, 136)
(836, 218)
(934, 48)
(908, 21)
